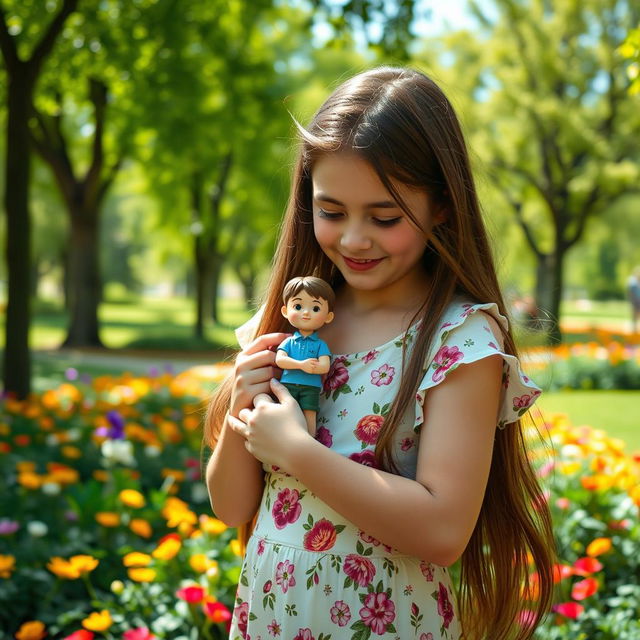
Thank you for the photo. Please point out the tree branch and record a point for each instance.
(98, 97)
(8, 46)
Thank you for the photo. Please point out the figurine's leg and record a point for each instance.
(310, 417)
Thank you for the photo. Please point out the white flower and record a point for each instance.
(152, 451)
(52, 440)
(51, 488)
(117, 587)
(199, 492)
(37, 529)
(118, 451)
(74, 434)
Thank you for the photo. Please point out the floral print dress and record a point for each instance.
(309, 573)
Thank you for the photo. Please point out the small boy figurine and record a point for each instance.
(308, 304)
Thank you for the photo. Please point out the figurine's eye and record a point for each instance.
(297, 307)
(316, 308)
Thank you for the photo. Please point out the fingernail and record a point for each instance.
(275, 381)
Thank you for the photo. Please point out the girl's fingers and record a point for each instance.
(262, 398)
(244, 415)
(238, 426)
(265, 341)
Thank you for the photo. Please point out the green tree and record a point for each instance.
(557, 123)
(23, 62)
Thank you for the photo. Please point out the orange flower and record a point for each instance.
(32, 630)
(236, 548)
(73, 568)
(29, 480)
(583, 589)
(140, 527)
(108, 518)
(142, 574)
(168, 547)
(132, 498)
(561, 571)
(136, 559)
(7, 565)
(200, 563)
(98, 621)
(598, 547)
(212, 526)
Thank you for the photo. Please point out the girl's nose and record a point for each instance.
(355, 239)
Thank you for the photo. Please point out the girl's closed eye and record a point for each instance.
(329, 215)
(381, 222)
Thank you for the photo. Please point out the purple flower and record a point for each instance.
(116, 432)
(7, 527)
(71, 374)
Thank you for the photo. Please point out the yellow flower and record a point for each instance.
(212, 526)
(63, 568)
(132, 498)
(29, 480)
(236, 548)
(176, 474)
(142, 574)
(136, 559)
(168, 547)
(179, 517)
(140, 527)
(7, 565)
(32, 630)
(84, 563)
(200, 563)
(98, 621)
(108, 518)
(598, 547)
(100, 475)
(69, 451)
(26, 466)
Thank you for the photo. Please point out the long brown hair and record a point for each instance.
(401, 123)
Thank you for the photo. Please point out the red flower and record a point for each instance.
(336, 376)
(216, 612)
(323, 436)
(193, 594)
(82, 634)
(242, 615)
(583, 589)
(141, 633)
(586, 566)
(320, 537)
(359, 569)
(569, 609)
(267, 586)
(445, 608)
(561, 571)
(286, 508)
(368, 428)
(366, 457)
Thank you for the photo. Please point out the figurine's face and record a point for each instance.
(307, 313)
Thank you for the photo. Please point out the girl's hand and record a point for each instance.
(273, 431)
(255, 365)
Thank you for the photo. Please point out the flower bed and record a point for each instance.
(106, 529)
(592, 365)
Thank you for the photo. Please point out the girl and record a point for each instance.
(419, 457)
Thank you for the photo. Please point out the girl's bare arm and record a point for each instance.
(234, 477)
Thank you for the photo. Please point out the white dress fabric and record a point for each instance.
(309, 573)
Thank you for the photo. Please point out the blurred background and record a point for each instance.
(146, 149)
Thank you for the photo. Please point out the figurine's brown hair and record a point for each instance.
(316, 287)
(401, 123)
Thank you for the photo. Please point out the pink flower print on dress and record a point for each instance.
(366, 457)
(260, 546)
(407, 443)
(524, 401)
(323, 436)
(304, 634)
(378, 612)
(382, 376)
(365, 537)
(340, 613)
(320, 537)
(359, 569)
(370, 356)
(445, 608)
(493, 346)
(287, 508)
(336, 376)
(426, 636)
(468, 310)
(284, 575)
(368, 428)
(444, 360)
(273, 629)
(267, 586)
(241, 614)
(427, 570)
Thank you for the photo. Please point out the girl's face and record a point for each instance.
(363, 230)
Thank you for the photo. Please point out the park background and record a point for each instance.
(147, 151)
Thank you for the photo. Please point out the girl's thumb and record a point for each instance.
(280, 391)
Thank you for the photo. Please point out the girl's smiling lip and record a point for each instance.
(361, 264)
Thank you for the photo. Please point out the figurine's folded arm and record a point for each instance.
(285, 361)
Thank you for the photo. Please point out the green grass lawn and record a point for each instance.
(616, 412)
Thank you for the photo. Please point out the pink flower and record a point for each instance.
(426, 636)
(407, 443)
(287, 508)
(378, 612)
(241, 614)
(304, 634)
(370, 356)
(571, 610)
(359, 569)
(445, 359)
(365, 537)
(284, 575)
(336, 376)
(383, 375)
(340, 613)
(192, 594)
(493, 346)
(368, 428)
(323, 436)
(445, 608)
(273, 628)
(83, 634)
(427, 570)
(468, 309)
(522, 402)
(140, 633)
(366, 457)
(260, 546)
(320, 537)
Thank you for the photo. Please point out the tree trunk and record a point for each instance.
(17, 358)
(85, 283)
(549, 283)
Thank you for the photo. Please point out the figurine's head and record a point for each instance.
(308, 303)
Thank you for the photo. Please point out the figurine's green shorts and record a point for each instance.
(307, 396)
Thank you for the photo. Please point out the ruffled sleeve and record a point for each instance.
(466, 336)
(246, 332)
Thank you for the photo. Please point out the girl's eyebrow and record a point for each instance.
(383, 204)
